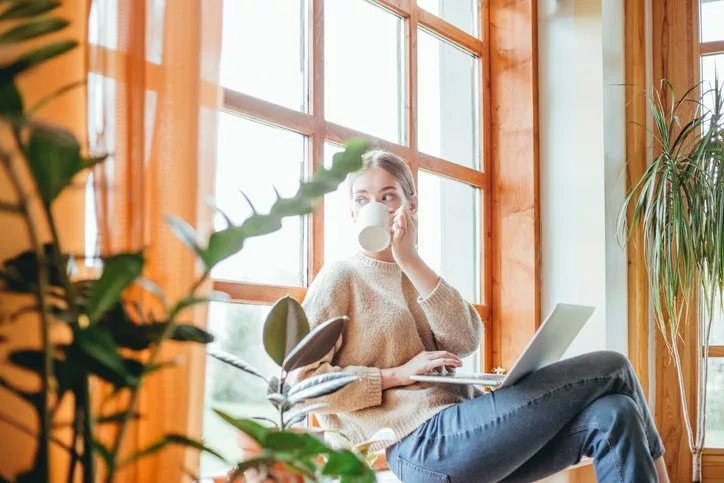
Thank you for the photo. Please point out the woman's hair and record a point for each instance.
(393, 164)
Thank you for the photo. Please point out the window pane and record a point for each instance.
(715, 404)
(254, 158)
(712, 19)
(238, 330)
(448, 112)
(461, 13)
(339, 234)
(363, 68)
(448, 236)
(262, 50)
(716, 336)
(712, 67)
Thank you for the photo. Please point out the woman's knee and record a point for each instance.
(617, 411)
(613, 361)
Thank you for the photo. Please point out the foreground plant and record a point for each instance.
(276, 448)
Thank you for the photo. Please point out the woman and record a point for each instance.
(406, 320)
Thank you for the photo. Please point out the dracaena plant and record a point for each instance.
(95, 329)
(290, 343)
(679, 204)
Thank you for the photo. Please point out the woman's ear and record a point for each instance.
(413, 204)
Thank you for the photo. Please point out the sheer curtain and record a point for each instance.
(152, 104)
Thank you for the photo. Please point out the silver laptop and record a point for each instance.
(548, 344)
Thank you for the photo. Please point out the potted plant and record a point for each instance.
(276, 450)
(679, 204)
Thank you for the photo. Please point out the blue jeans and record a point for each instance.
(590, 405)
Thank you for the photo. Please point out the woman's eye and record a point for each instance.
(360, 201)
(388, 197)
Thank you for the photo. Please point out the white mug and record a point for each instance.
(374, 223)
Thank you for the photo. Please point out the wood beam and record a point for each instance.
(514, 168)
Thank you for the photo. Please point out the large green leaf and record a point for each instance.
(20, 273)
(169, 439)
(141, 336)
(54, 159)
(235, 362)
(316, 344)
(224, 243)
(344, 462)
(284, 327)
(119, 271)
(254, 430)
(33, 29)
(11, 102)
(35, 57)
(98, 354)
(319, 386)
(25, 8)
(284, 441)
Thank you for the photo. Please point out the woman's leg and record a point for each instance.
(611, 431)
(490, 437)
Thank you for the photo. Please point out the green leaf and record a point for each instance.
(20, 273)
(187, 235)
(304, 413)
(316, 344)
(54, 159)
(191, 333)
(11, 102)
(119, 271)
(25, 8)
(284, 441)
(259, 225)
(284, 327)
(224, 243)
(319, 386)
(33, 29)
(117, 418)
(37, 56)
(343, 463)
(105, 454)
(254, 430)
(235, 362)
(99, 355)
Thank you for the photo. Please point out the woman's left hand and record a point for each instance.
(404, 236)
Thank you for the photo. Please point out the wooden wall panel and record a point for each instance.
(636, 161)
(675, 52)
(515, 251)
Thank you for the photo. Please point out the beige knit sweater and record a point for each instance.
(389, 324)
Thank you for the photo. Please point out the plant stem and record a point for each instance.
(89, 473)
(42, 460)
(136, 390)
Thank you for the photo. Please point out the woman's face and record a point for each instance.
(376, 184)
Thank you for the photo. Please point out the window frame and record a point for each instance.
(320, 131)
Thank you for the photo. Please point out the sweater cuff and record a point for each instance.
(371, 390)
(438, 295)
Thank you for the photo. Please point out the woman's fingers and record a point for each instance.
(434, 364)
(443, 354)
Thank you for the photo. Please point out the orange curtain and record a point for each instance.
(153, 68)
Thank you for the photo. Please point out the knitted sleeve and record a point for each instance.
(455, 324)
(330, 295)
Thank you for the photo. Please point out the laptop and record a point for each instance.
(548, 344)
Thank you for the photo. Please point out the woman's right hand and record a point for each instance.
(422, 363)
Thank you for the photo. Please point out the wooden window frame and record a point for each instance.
(319, 130)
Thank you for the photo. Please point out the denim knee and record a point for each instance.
(618, 412)
(614, 361)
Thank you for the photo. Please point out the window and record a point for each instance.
(301, 77)
(712, 66)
